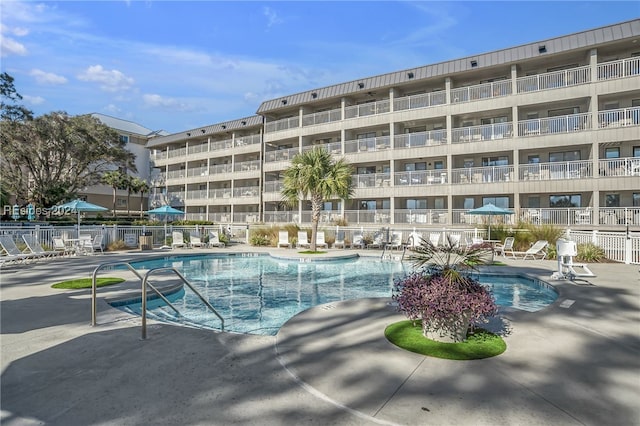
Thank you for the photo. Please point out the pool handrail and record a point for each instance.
(184, 280)
(94, 289)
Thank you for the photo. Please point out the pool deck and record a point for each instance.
(575, 362)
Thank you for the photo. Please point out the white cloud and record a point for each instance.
(9, 46)
(272, 17)
(110, 81)
(112, 109)
(33, 100)
(43, 77)
(157, 101)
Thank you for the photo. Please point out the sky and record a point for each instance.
(179, 65)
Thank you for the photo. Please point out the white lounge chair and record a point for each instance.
(538, 249)
(396, 241)
(303, 240)
(453, 240)
(507, 247)
(61, 247)
(434, 238)
(11, 251)
(36, 248)
(320, 242)
(414, 240)
(177, 239)
(195, 241)
(214, 240)
(340, 240)
(283, 239)
(378, 241)
(566, 250)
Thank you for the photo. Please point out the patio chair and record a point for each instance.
(538, 249)
(507, 247)
(396, 241)
(283, 239)
(214, 240)
(36, 248)
(378, 241)
(177, 239)
(320, 240)
(96, 244)
(11, 251)
(566, 250)
(358, 240)
(61, 247)
(195, 241)
(303, 240)
(340, 241)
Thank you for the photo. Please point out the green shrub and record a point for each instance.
(591, 253)
(259, 240)
(117, 245)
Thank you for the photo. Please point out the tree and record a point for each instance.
(314, 175)
(126, 184)
(140, 186)
(9, 110)
(50, 158)
(116, 180)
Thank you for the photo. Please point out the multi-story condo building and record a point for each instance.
(550, 129)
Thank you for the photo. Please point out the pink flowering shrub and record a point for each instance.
(446, 299)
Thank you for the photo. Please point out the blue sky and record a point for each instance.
(178, 65)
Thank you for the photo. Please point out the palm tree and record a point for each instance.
(140, 186)
(126, 184)
(115, 180)
(316, 176)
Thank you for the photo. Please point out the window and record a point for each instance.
(533, 159)
(495, 161)
(439, 165)
(502, 202)
(438, 203)
(564, 156)
(636, 199)
(533, 202)
(416, 204)
(636, 151)
(612, 200)
(563, 111)
(469, 203)
(612, 152)
(571, 200)
(124, 138)
(121, 202)
(468, 163)
(494, 120)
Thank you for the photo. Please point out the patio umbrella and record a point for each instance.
(165, 211)
(490, 210)
(78, 206)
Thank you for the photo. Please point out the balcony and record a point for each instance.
(482, 132)
(221, 145)
(332, 148)
(423, 100)
(195, 149)
(622, 68)
(220, 193)
(554, 80)
(246, 191)
(572, 123)
(199, 194)
(371, 180)
(220, 169)
(367, 109)
(280, 155)
(179, 152)
(420, 216)
(495, 89)
(247, 140)
(420, 177)
(281, 217)
(198, 171)
(247, 166)
(322, 117)
(369, 144)
(420, 139)
(284, 124)
(556, 170)
(622, 117)
(629, 166)
(381, 216)
(273, 186)
(487, 174)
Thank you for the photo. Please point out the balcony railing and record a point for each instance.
(553, 125)
(284, 124)
(322, 117)
(420, 177)
(273, 186)
(481, 91)
(175, 198)
(556, 170)
(332, 148)
(220, 193)
(418, 139)
(247, 140)
(619, 216)
(177, 152)
(280, 155)
(220, 168)
(368, 144)
(487, 174)
(175, 174)
(369, 108)
(247, 166)
(621, 117)
(629, 166)
(198, 194)
(554, 80)
(619, 69)
(221, 145)
(482, 132)
(281, 216)
(381, 216)
(420, 216)
(194, 149)
(197, 171)
(423, 100)
(371, 180)
(246, 191)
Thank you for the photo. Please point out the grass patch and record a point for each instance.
(312, 252)
(87, 283)
(482, 344)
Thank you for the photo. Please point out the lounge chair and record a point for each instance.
(507, 247)
(303, 240)
(453, 240)
(378, 241)
(195, 241)
(358, 240)
(538, 249)
(396, 241)
(414, 240)
(12, 253)
(566, 250)
(177, 239)
(61, 247)
(89, 245)
(320, 240)
(214, 240)
(434, 238)
(340, 240)
(283, 239)
(36, 248)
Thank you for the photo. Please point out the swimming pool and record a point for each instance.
(258, 294)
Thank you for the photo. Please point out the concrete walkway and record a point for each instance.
(576, 362)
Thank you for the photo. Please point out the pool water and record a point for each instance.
(258, 294)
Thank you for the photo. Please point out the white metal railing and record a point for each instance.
(554, 80)
(629, 166)
(619, 117)
(371, 180)
(495, 89)
(221, 145)
(367, 144)
(557, 170)
(369, 108)
(418, 139)
(177, 152)
(197, 194)
(246, 191)
(281, 217)
(482, 132)
(220, 193)
(332, 148)
(175, 198)
(322, 117)
(283, 124)
(158, 155)
(246, 217)
(422, 100)
(420, 216)
(220, 168)
(248, 140)
(619, 69)
(553, 125)
(488, 174)
(280, 155)
(617, 246)
(380, 216)
(246, 166)
(175, 174)
(420, 177)
(198, 171)
(273, 186)
(194, 149)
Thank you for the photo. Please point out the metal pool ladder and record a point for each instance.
(145, 282)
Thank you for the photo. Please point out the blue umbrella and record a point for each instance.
(490, 210)
(78, 206)
(165, 211)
